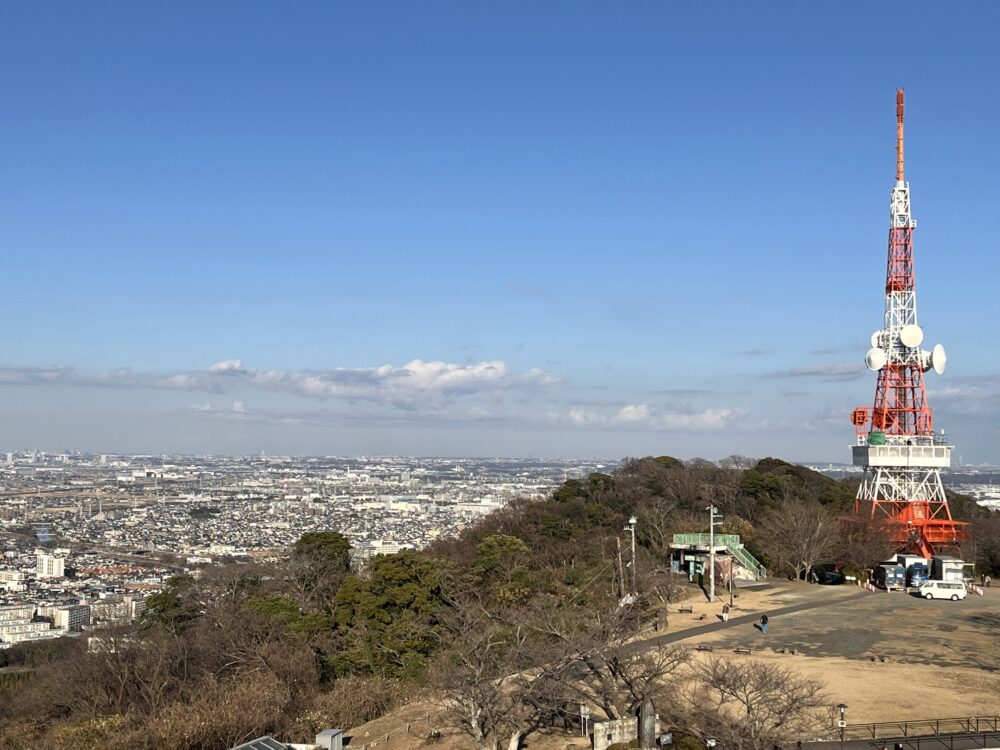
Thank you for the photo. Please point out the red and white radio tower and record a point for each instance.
(896, 444)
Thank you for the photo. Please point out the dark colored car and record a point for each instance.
(827, 575)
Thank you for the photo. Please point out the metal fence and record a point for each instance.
(970, 725)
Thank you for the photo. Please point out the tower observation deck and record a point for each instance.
(895, 441)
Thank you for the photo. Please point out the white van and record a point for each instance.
(953, 590)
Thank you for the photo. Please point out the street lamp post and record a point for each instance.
(842, 723)
(713, 521)
(631, 529)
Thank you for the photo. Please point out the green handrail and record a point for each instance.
(732, 544)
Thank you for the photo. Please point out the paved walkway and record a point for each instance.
(712, 627)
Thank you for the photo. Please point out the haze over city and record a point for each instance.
(472, 230)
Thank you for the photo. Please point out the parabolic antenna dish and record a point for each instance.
(938, 359)
(875, 338)
(911, 336)
(875, 359)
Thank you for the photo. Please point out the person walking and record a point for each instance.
(763, 623)
(725, 613)
(986, 583)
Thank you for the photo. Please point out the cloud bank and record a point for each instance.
(414, 383)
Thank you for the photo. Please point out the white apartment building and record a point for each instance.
(116, 609)
(49, 566)
(365, 551)
(71, 617)
(12, 580)
(16, 625)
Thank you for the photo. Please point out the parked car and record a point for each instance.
(942, 590)
(827, 575)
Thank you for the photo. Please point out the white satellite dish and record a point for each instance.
(939, 359)
(911, 336)
(875, 339)
(875, 359)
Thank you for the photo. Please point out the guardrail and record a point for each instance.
(747, 560)
(701, 540)
(923, 727)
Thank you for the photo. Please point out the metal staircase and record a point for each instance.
(734, 547)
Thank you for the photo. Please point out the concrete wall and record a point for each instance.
(608, 733)
(612, 732)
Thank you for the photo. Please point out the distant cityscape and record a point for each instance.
(86, 538)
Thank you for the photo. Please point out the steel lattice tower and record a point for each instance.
(896, 444)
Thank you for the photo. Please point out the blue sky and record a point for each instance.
(560, 229)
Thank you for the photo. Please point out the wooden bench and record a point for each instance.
(742, 650)
(686, 608)
(702, 647)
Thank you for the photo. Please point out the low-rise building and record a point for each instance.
(17, 625)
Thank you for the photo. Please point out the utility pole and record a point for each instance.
(621, 569)
(713, 520)
(631, 529)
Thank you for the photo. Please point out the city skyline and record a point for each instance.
(484, 231)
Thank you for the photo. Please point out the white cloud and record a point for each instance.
(709, 419)
(651, 417)
(417, 383)
(33, 375)
(582, 416)
(633, 413)
(226, 365)
(239, 407)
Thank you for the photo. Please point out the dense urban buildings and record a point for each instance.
(85, 538)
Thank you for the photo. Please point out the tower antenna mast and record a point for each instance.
(895, 441)
(899, 135)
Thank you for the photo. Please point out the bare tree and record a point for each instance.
(491, 679)
(755, 705)
(797, 535)
(863, 542)
(601, 666)
(658, 521)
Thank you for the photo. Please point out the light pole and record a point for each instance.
(631, 529)
(713, 521)
(842, 723)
